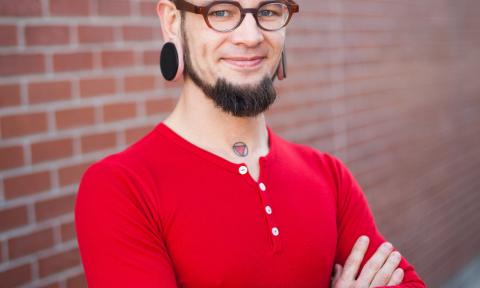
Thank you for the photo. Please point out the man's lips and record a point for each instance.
(244, 61)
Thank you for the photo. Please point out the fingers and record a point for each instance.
(397, 277)
(338, 271)
(355, 258)
(374, 264)
(385, 273)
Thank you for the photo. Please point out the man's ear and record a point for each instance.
(169, 18)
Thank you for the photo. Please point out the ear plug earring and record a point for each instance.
(171, 62)
(282, 67)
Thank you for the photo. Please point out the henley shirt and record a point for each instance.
(167, 213)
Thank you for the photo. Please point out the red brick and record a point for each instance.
(9, 95)
(16, 276)
(13, 217)
(97, 86)
(72, 61)
(134, 134)
(46, 35)
(151, 57)
(74, 117)
(72, 174)
(51, 150)
(95, 34)
(78, 281)
(8, 35)
(51, 208)
(23, 124)
(58, 262)
(139, 83)
(30, 243)
(119, 111)
(26, 184)
(67, 231)
(137, 33)
(98, 141)
(20, 8)
(159, 106)
(148, 8)
(15, 64)
(69, 7)
(113, 7)
(41, 92)
(51, 285)
(11, 157)
(117, 59)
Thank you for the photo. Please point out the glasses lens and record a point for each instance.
(224, 16)
(273, 16)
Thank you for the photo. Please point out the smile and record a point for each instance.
(244, 63)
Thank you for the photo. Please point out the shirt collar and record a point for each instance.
(207, 155)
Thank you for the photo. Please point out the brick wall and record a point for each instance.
(390, 87)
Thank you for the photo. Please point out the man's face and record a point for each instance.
(235, 69)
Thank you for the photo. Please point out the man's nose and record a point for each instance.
(248, 32)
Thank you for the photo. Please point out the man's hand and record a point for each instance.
(380, 270)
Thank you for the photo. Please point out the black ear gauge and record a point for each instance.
(284, 64)
(282, 67)
(169, 61)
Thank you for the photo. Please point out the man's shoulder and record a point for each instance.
(304, 151)
(137, 156)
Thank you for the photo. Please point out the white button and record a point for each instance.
(268, 209)
(275, 231)
(243, 170)
(262, 186)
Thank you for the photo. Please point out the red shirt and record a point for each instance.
(167, 213)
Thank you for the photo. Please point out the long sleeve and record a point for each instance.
(120, 241)
(354, 218)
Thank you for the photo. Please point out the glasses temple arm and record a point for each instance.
(186, 6)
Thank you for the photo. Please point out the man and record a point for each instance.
(212, 197)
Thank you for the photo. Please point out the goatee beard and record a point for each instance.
(237, 100)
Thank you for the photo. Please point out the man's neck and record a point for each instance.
(196, 118)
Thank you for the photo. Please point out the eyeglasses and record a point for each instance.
(225, 16)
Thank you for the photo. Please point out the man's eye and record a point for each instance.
(219, 13)
(267, 13)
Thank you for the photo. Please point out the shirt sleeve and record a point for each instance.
(354, 218)
(119, 239)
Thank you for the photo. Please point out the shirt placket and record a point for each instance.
(268, 210)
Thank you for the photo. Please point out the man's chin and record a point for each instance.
(242, 77)
(245, 81)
